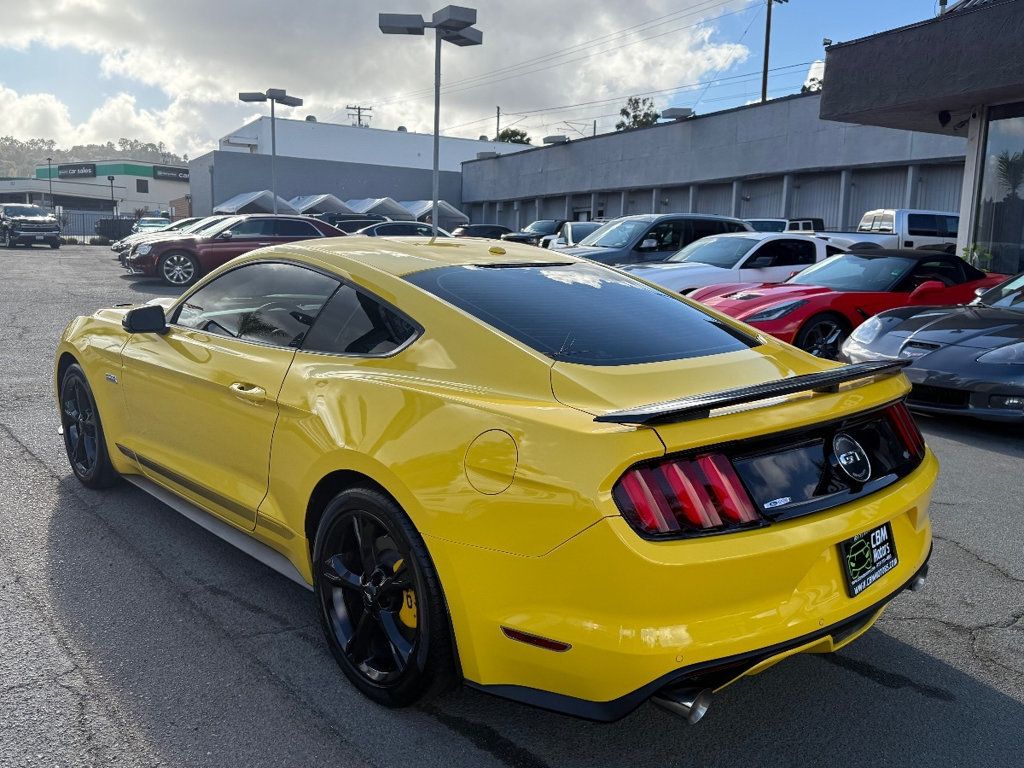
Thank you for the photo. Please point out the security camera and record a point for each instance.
(944, 118)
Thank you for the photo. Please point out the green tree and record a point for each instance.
(1010, 171)
(513, 136)
(19, 158)
(637, 113)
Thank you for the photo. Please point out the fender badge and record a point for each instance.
(111, 378)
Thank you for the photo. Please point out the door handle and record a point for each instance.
(249, 392)
(262, 243)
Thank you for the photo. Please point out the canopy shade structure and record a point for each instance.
(325, 203)
(384, 206)
(261, 201)
(447, 214)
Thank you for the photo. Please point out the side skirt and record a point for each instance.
(236, 538)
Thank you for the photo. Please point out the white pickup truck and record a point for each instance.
(898, 229)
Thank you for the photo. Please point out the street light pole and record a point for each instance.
(454, 24)
(49, 178)
(113, 204)
(274, 96)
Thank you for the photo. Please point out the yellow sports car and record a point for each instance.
(512, 467)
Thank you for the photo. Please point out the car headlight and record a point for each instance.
(1011, 354)
(774, 313)
(142, 250)
(868, 331)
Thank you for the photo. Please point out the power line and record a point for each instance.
(600, 40)
(488, 79)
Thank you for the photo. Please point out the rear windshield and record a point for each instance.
(582, 313)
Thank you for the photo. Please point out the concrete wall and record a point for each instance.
(218, 175)
(785, 159)
(347, 143)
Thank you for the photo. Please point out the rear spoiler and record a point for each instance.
(700, 406)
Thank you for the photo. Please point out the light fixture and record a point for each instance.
(274, 96)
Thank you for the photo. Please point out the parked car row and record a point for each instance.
(23, 224)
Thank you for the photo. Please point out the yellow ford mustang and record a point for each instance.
(498, 464)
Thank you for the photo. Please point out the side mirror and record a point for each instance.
(146, 319)
(979, 292)
(928, 291)
(649, 244)
(226, 235)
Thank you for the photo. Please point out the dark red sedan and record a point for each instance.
(818, 308)
(183, 260)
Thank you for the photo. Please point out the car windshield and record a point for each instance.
(1008, 295)
(767, 225)
(854, 272)
(582, 312)
(581, 229)
(615, 234)
(202, 224)
(724, 252)
(25, 210)
(542, 227)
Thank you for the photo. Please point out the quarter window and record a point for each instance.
(354, 323)
(268, 303)
(294, 228)
(252, 228)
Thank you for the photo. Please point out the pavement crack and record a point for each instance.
(994, 566)
(488, 739)
(886, 678)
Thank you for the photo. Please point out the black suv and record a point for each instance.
(532, 233)
(23, 224)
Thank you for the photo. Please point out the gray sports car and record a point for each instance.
(967, 359)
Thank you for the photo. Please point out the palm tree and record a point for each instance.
(1010, 170)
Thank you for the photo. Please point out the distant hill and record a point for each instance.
(19, 158)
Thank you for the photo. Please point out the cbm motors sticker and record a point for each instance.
(867, 557)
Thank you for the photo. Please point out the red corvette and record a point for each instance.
(819, 307)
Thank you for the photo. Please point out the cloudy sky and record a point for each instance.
(83, 71)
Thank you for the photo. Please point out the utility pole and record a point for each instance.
(358, 109)
(497, 124)
(767, 48)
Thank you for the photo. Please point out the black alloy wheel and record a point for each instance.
(83, 432)
(379, 600)
(822, 336)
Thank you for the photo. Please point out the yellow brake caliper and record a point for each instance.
(408, 613)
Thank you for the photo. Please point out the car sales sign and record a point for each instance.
(169, 173)
(76, 170)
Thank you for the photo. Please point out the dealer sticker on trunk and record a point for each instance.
(867, 557)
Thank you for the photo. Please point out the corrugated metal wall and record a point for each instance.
(714, 198)
(765, 198)
(877, 188)
(939, 187)
(816, 195)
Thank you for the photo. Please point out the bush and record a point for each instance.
(69, 241)
(99, 241)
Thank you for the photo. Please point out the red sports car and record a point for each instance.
(819, 307)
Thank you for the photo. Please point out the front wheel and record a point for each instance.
(178, 269)
(55, 245)
(9, 241)
(380, 600)
(822, 335)
(83, 432)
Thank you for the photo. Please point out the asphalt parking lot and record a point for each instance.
(131, 637)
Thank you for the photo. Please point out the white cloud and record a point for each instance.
(200, 54)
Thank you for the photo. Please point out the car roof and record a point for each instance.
(767, 236)
(400, 256)
(670, 216)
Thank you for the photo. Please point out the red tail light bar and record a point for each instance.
(907, 429)
(679, 496)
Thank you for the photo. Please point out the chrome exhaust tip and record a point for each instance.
(691, 704)
(916, 584)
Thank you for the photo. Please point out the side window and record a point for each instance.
(731, 226)
(422, 230)
(667, 236)
(394, 229)
(865, 223)
(294, 228)
(269, 303)
(699, 228)
(252, 228)
(788, 253)
(949, 226)
(886, 223)
(922, 225)
(947, 272)
(354, 323)
(831, 250)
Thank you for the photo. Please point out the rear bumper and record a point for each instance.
(642, 615)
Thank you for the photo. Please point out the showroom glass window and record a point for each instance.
(267, 303)
(998, 243)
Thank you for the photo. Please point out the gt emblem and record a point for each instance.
(852, 458)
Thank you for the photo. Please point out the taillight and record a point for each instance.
(700, 495)
(911, 436)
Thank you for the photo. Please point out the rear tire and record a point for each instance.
(84, 440)
(823, 334)
(380, 600)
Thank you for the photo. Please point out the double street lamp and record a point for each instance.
(274, 96)
(49, 178)
(453, 24)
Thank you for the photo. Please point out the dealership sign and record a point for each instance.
(169, 173)
(76, 170)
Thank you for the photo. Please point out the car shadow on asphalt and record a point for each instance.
(219, 661)
(149, 286)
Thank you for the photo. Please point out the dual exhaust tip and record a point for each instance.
(691, 704)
